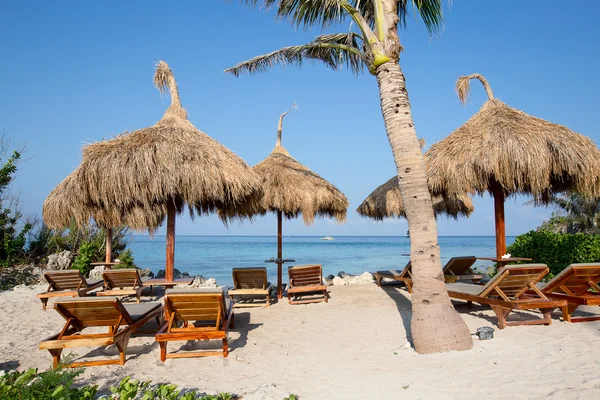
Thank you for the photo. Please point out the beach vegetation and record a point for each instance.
(557, 250)
(372, 43)
(54, 384)
(575, 214)
(13, 230)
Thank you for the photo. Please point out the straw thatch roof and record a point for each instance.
(65, 204)
(386, 202)
(171, 161)
(293, 189)
(522, 153)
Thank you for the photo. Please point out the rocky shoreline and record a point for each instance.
(33, 274)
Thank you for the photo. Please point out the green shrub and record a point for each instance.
(129, 389)
(126, 259)
(53, 384)
(557, 250)
(87, 254)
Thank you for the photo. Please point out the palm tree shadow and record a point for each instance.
(404, 307)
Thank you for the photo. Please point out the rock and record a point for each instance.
(267, 391)
(176, 274)
(337, 281)
(364, 278)
(343, 275)
(59, 261)
(327, 281)
(201, 282)
(146, 273)
(96, 273)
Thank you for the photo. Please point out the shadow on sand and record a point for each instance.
(404, 306)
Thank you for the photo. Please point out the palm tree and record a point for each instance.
(374, 44)
(580, 213)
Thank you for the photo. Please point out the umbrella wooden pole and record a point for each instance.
(279, 253)
(109, 238)
(170, 241)
(498, 194)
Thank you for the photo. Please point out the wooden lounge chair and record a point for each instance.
(250, 283)
(578, 284)
(195, 314)
(89, 312)
(122, 282)
(459, 269)
(69, 283)
(404, 276)
(306, 280)
(507, 291)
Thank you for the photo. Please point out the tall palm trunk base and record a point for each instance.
(435, 325)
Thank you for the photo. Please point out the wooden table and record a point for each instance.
(279, 263)
(167, 284)
(108, 265)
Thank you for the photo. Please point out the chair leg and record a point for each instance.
(470, 305)
(326, 297)
(268, 301)
(501, 313)
(55, 357)
(225, 348)
(44, 303)
(547, 312)
(163, 351)
(378, 279)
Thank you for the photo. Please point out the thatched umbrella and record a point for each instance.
(504, 151)
(65, 204)
(386, 202)
(291, 189)
(170, 165)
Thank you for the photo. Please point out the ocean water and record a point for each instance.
(215, 256)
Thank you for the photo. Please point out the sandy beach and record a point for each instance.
(352, 347)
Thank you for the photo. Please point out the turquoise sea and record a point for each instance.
(215, 256)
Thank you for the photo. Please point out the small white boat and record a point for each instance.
(327, 238)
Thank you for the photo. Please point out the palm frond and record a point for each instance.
(309, 13)
(334, 50)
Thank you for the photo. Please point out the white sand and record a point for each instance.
(350, 348)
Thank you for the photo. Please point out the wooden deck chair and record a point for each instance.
(459, 269)
(578, 284)
(306, 280)
(69, 283)
(250, 283)
(89, 312)
(195, 314)
(404, 276)
(122, 282)
(507, 291)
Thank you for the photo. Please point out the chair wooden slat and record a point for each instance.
(207, 310)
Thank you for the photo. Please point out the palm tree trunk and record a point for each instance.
(435, 325)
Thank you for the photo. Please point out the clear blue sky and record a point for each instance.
(76, 72)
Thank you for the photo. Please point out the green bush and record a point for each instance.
(557, 250)
(87, 254)
(53, 384)
(126, 259)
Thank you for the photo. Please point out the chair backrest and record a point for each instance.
(513, 281)
(249, 278)
(87, 312)
(121, 278)
(576, 279)
(192, 305)
(459, 266)
(65, 280)
(305, 275)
